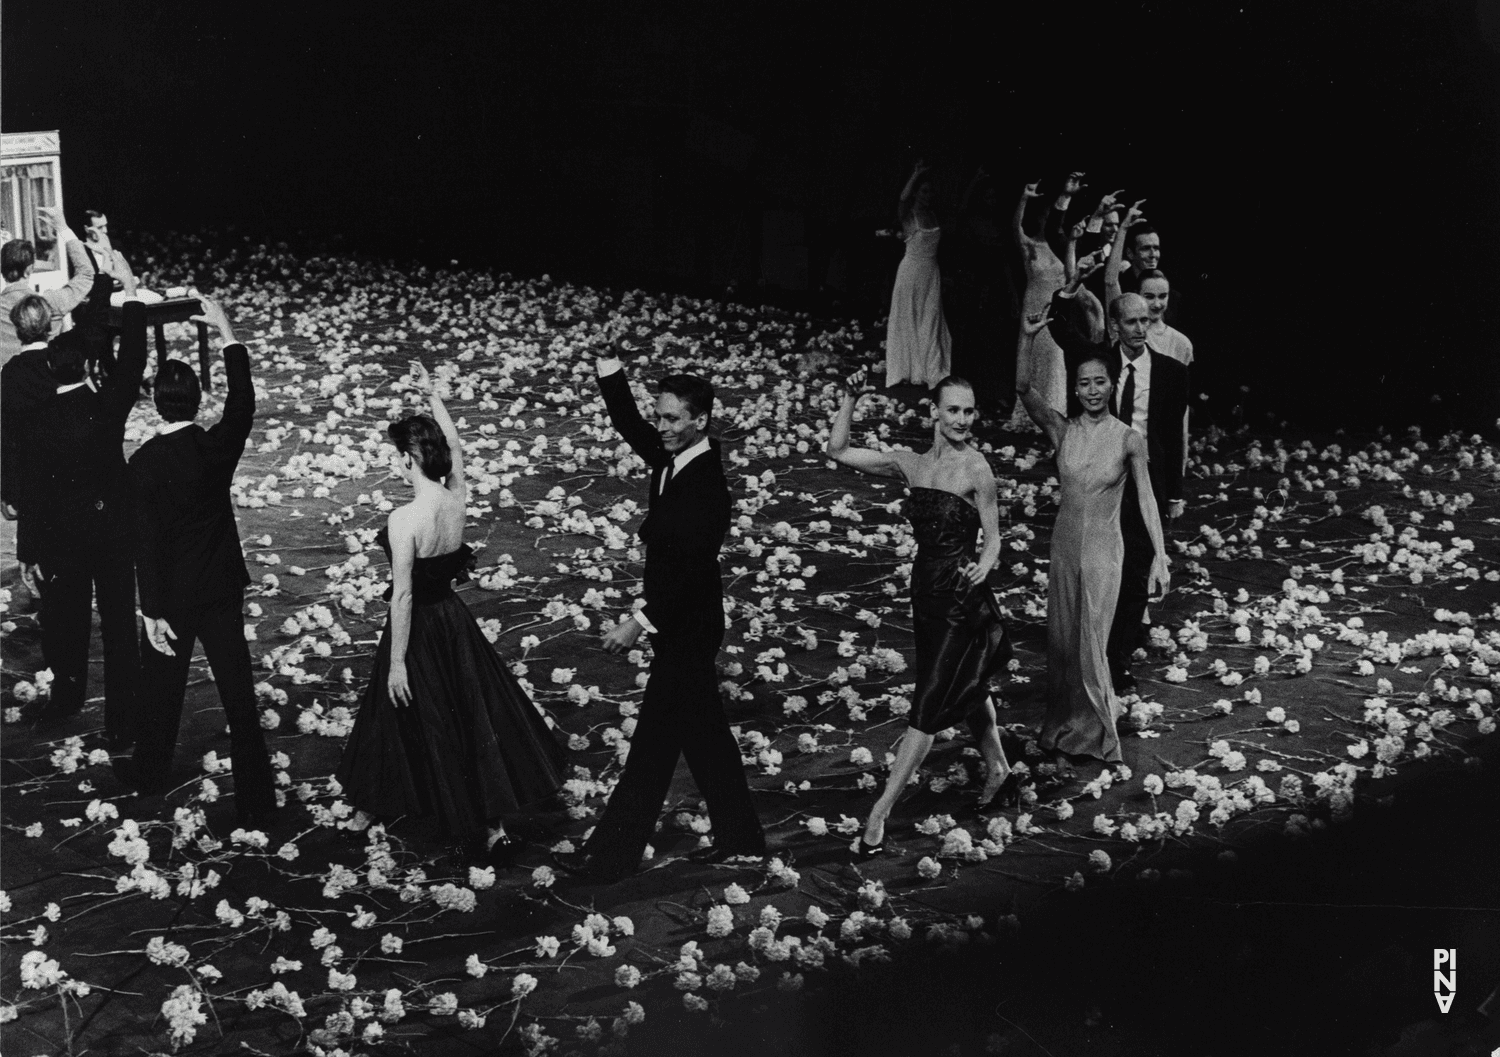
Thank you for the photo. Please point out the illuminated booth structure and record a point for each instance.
(30, 181)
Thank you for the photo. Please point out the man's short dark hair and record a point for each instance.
(1136, 232)
(693, 391)
(91, 215)
(177, 392)
(32, 318)
(67, 357)
(16, 256)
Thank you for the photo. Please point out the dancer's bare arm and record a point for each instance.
(867, 460)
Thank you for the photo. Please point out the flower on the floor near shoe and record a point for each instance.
(929, 868)
(720, 921)
(818, 827)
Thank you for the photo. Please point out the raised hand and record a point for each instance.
(1078, 229)
(1073, 184)
(1030, 191)
(1037, 321)
(420, 378)
(1134, 215)
(213, 315)
(855, 383)
(1108, 202)
(1087, 265)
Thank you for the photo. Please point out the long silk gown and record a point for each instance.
(1082, 587)
(471, 747)
(916, 334)
(961, 642)
(1045, 275)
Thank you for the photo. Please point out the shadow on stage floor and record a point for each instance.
(1317, 947)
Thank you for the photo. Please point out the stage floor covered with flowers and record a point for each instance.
(1329, 652)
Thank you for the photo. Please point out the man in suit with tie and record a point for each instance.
(1151, 396)
(191, 573)
(682, 713)
(74, 507)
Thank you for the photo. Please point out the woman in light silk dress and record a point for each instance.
(916, 334)
(1039, 359)
(1095, 450)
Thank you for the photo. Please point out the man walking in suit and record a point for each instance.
(682, 712)
(192, 575)
(74, 508)
(1151, 396)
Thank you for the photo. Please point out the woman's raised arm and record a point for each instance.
(880, 463)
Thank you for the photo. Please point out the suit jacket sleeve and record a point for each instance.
(124, 385)
(69, 297)
(150, 568)
(233, 427)
(1171, 429)
(24, 384)
(628, 421)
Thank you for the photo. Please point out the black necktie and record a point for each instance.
(1126, 411)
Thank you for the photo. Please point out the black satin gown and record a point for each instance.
(961, 641)
(471, 747)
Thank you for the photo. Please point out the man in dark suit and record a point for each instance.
(1151, 396)
(191, 573)
(74, 507)
(25, 384)
(682, 712)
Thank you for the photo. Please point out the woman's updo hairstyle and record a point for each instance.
(420, 437)
(936, 392)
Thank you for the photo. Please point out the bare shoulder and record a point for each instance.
(978, 466)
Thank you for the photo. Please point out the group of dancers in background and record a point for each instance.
(446, 732)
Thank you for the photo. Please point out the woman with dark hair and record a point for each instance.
(916, 335)
(445, 730)
(1095, 451)
(960, 640)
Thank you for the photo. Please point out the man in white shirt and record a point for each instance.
(1151, 396)
(682, 713)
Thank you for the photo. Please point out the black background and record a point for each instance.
(1324, 175)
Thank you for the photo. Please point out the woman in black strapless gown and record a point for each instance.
(960, 640)
(444, 730)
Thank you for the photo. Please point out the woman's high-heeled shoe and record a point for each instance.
(863, 851)
(503, 850)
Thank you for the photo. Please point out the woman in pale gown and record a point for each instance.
(916, 335)
(1039, 360)
(1095, 450)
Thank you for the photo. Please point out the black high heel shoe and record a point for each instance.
(864, 852)
(503, 851)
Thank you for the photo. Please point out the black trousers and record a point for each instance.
(681, 715)
(71, 584)
(220, 627)
(1128, 633)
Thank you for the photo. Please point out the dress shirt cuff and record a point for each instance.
(639, 615)
(606, 367)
